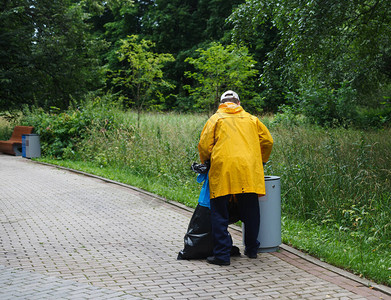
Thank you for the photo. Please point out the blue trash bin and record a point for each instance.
(31, 146)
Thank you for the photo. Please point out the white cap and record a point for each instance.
(229, 95)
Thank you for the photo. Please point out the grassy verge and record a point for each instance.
(338, 248)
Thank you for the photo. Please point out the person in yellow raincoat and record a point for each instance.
(237, 145)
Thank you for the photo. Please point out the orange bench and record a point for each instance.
(14, 145)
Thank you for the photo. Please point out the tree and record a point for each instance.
(114, 20)
(219, 67)
(180, 27)
(323, 45)
(16, 31)
(47, 54)
(141, 78)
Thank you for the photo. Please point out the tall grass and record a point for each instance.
(341, 177)
(335, 180)
(161, 149)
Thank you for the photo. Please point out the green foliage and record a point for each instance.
(332, 57)
(180, 27)
(8, 120)
(287, 117)
(375, 117)
(141, 77)
(15, 48)
(220, 68)
(338, 177)
(61, 131)
(340, 45)
(5, 129)
(177, 27)
(47, 54)
(329, 107)
(113, 21)
(262, 39)
(336, 246)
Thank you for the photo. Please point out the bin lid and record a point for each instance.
(31, 134)
(270, 178)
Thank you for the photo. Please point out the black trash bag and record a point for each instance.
(198, 239)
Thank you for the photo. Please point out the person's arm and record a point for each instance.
(266, 141)
(207, 140)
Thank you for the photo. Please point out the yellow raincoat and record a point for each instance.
(236, 143)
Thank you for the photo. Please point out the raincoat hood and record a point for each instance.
(230, 108)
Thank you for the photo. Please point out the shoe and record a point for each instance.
(215, 261)
(252, 255)
(235, 251)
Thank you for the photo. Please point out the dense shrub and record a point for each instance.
(332, 108)
(61, 131)
(375, 117)
(287, 116)
(327, 107)
(8, 119)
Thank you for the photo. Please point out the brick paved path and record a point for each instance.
(68, 236)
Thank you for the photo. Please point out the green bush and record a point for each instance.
(8, 120)
(374, 117)
(330, 108)
(287, 117)
(61, 131)
(5, 129)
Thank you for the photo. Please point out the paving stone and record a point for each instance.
(69, 236)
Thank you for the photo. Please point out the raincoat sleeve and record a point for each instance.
(207, 140)
(266, 141)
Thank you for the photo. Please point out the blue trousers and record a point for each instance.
(249, 215)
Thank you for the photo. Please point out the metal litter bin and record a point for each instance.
(269, 235)
(31, 146)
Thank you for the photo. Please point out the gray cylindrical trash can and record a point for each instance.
(31, 146)
(269, 235)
